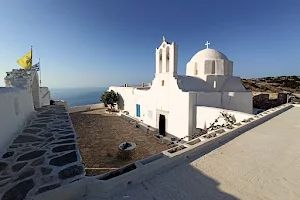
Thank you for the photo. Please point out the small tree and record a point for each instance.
(109, 98)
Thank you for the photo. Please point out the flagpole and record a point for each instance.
(31, 55)
(40, 72)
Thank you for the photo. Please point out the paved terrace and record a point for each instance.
(43, 157)
(262, 163)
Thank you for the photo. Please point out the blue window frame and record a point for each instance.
(138, 110)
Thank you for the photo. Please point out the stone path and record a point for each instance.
(43, 157)
(99, 136)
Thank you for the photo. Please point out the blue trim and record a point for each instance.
(138, 110)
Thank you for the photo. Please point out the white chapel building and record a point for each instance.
(180, 105)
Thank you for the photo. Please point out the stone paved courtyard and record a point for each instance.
(44, 156)
(99, 135)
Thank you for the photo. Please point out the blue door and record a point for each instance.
(138, 110)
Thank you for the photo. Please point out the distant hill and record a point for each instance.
(277, 84)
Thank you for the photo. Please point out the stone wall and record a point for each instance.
(268, 100)
(86, 107)
(43, 157)
(282, 98)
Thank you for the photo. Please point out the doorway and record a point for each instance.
(162, 125)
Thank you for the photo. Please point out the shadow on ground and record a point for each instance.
(181, 182)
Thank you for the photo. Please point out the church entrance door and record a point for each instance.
(162, 125)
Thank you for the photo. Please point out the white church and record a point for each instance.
(181, 105)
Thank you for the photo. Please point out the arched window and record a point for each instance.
(196, 69)
(167, 59)
(160, 61)
(213, 67)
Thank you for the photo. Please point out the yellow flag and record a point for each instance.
(26, 61)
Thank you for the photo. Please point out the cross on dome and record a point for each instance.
(206, 44)
(164, 38)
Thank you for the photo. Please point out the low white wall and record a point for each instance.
(239, 101)
(205, 116)
(211, 99)
(75, 191)
(45, 96)
(86, 107)
(95, 188)
(127, 99)
(296, 105)
(158, 163)
(16, 106)
(62, 102)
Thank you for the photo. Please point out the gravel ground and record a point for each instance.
(99, 135)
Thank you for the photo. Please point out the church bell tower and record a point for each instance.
(167, 58)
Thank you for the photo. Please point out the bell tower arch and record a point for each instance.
(167, 58)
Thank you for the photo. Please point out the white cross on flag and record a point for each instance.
(36, 66)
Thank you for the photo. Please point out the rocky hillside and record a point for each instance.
(277, 84)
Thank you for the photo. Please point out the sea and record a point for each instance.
(78, 96)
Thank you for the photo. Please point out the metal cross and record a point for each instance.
(206, 44)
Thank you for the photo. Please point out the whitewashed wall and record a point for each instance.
(207, 115)
(35, 90)
(126, 99)
(167, 100)
(216, 81)
(178, 107)
(192, 113)
(45, 96)
(238, 101)
(43, 91)
(16, 106)
(211, 99)
(157, 101)
(179, 119)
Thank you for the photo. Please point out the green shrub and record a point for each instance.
(109, 98)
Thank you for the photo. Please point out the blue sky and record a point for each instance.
(96, 43)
